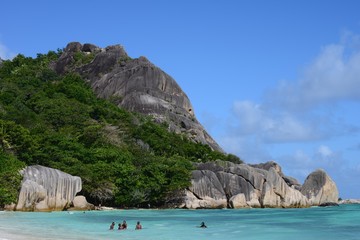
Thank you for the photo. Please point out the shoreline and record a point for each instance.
(5, 235)
(105, 208)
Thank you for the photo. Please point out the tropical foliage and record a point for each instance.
(124, 159)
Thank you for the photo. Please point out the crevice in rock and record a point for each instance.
(247, 180)
(197, 196)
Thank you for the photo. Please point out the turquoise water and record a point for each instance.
(291, 224)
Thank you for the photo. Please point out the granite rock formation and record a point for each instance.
(135, 84)
(80, 203)
(46, 189)
(319, 188)
(224, 184)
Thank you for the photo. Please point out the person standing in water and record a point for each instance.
(124, 225)
(138, 226)
(112, 226)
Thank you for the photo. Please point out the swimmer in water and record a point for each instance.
(202, 225)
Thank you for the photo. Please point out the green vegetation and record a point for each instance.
(124, 59)
(10, 178)
(124, 159)
(82, 58)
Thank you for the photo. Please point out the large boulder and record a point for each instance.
(135, 84)
(80, 203)
(319, 188)
(46, 189)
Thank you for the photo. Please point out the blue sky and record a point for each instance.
(269, 80)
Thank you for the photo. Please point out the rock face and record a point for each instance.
(46, 189)
(206, 191)
(135, 84)
(223, 184)
(319, 188)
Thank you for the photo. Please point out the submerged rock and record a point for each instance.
(46, 189)
(329, 204)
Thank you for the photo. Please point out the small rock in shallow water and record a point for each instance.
(329, 204)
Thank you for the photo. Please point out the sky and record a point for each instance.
(269, 80)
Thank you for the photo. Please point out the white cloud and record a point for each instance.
(272, 126)
(305, 110)
(325, 151)
(5, 53)
(333, 76)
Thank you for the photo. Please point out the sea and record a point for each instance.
(318, 223)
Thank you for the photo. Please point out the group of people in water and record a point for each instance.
(123, 226)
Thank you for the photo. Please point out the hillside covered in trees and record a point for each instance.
(123, 158)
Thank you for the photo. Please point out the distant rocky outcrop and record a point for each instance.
(349, 201)
(135, 84)
(319, 188)
(46, 189)
(224, 184)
